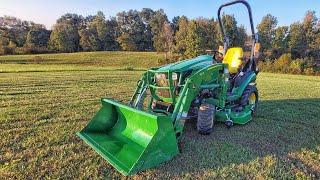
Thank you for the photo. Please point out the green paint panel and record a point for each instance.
(129, 139)
(241, 118)
(189, 64)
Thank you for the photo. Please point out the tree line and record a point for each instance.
(151, 30)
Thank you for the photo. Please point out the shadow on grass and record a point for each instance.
(281, 127)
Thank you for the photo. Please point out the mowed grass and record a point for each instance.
(40, 112)
(81, 61)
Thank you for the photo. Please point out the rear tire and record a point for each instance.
(250, 96)
(206, 117)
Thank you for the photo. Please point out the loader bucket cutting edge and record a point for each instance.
(129, 139)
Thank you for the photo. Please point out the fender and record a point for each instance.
(237, 91)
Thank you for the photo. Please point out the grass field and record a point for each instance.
(44, 103)
(80, 61)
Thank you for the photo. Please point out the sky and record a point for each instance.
(46, 12)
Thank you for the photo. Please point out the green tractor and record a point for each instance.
(145, 132)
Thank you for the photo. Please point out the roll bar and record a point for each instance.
(225, 37)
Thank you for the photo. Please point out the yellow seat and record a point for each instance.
(233, 58)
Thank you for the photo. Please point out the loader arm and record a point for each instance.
(211, 78)
(139, 92)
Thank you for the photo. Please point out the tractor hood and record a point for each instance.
(189, 64)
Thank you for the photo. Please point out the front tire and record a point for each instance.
(206, 117)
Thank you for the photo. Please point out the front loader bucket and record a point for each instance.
(129, 139)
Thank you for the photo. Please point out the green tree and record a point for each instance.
(147, 15)
(236, 35)
(309, 26)
(156, 23)
(98, 28)
(266, 30)
(15, 29)
(89, 40)
(132, 31)
(175, 24)
(127, 43)
(230, 27)
(194, 42)
(166, 36)
(4, 38)
(64, 38)
(241, 36)
(208, 32)
(317, 41)
(98, 34)
(181, 35)
(280, 42)
(297, 40)
(112, 34)
(281, 38)
(38, 36)
(65, 34)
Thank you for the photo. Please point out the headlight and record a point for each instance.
(174, 76)
(162, 76)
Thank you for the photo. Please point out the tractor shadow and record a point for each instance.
(280, 127)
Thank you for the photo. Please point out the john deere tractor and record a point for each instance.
(210, 88)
